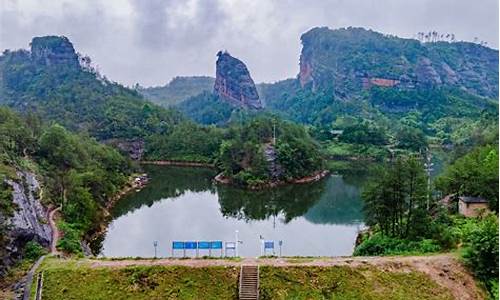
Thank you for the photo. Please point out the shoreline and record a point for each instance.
(221, 179)
(132, 184)
(179, 163)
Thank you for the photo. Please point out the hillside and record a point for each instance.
(353, 59)
(177, 90)
(58, 84)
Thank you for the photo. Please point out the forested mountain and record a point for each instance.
(401, 92)
(177, 90)
(54, 81)
(354, 59)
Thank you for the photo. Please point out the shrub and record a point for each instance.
(380, 244)
(70, 242)
(481, 249)
(33, 250)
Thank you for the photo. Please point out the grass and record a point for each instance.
(342, 282)
(77, 279)
(80, 281)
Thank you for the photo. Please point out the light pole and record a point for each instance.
(236, 242)
(155, 244)
(428, 167)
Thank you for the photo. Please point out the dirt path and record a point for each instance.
(444, 269)
(55, 231)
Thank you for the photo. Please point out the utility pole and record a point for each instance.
(274, 132)
(428, 168)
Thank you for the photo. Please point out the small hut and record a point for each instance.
(472, 206)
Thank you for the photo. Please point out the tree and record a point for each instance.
(474, 174)
(395, 199)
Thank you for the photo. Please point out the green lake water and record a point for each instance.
(318, 219)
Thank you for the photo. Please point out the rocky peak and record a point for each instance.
(233, 82)
(53, 50)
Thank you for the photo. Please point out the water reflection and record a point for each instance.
(182, 203)
(290, 201)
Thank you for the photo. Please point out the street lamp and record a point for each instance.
(155, 244)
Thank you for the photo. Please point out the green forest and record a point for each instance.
(58, 118)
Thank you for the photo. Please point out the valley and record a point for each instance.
(361, 169)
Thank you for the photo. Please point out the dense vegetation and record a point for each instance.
(77, 172)
(248, 152)
(475, 174)
(404, 219)
(78, 98)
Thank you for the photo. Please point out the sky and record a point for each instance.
(151, 41)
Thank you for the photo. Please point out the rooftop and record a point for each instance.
(472, 199)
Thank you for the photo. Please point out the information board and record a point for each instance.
(269, 245)
(216, 245)
(203, 245)
(190, 245)
(177, 245)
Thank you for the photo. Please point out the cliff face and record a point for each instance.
(29, 221)
(354, 58)
(234, 84)
(54, 50)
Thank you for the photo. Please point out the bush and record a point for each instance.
(481, 249)
(33, 250)
(70, 242)
(379, 244)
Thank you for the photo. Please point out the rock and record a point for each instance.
(426, 74)
(134, 148)
(54, 50)
(234, 84)
(29, 221)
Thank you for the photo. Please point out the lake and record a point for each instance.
(318, 219)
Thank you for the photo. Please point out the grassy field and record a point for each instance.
(140, 282)
(342, 282)
(79, 279)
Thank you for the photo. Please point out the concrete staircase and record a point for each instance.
(249, 283)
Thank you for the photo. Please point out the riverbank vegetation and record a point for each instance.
(77, 173)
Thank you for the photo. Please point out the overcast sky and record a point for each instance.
(151, 41)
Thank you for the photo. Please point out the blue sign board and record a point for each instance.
(216, 245)
(269, 245)
(203, 245)
(177, 245)
(190, 245)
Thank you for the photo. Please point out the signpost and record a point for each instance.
(176, 245)
(216, 245)
(268, 245)
(197, 245)
(231, 246)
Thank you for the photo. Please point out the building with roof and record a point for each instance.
(472, 206)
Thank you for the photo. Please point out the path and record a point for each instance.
(53, 250)
(55, 231)
(444, 269)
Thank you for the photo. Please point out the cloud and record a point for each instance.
(152, 41)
